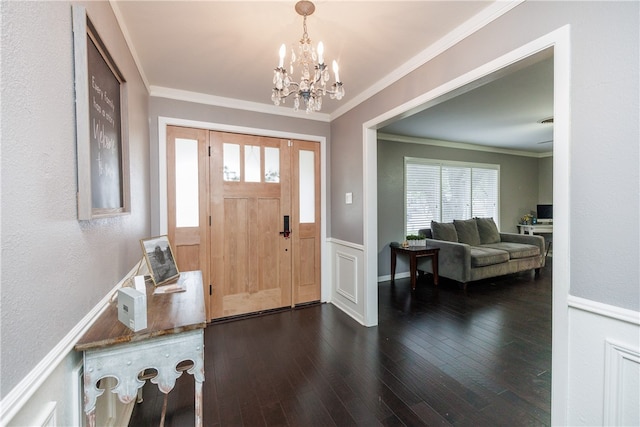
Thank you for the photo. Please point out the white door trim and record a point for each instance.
(163, 122)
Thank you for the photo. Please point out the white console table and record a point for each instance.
(541, 228)
(175, 334)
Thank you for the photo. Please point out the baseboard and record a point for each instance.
(387, 277)
(349, 312)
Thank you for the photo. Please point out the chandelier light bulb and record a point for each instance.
(335, 70)
(320, 53)
(283, 52)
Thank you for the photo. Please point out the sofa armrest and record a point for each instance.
(454, 260)
(524, 238)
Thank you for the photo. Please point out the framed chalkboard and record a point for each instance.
(101, 125)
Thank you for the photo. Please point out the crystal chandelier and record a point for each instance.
(314, 74)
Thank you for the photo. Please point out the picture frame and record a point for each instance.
(101, 125)
(160, 259)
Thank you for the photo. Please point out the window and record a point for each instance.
(444, 191)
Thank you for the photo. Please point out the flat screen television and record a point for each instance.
(545, 212)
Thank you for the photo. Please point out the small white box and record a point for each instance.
(138, 284)
(132, 308)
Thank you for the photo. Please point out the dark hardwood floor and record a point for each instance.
(438, 357)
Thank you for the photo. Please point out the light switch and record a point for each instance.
(348, 198)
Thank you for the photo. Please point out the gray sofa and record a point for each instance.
(474, 249)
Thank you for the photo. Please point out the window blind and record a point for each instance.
(456, 193)
(485, 193)
(422, 195)
(444, 191)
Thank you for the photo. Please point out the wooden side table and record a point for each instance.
(175, 334)
(414, 252)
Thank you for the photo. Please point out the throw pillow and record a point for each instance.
(467, 231)
(444, 231)
(488, 230)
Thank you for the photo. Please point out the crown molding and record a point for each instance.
(127, 38)
(219, 101)
(460, 145)
(464, 30)
(489, 14)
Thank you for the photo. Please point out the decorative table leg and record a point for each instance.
(91, 418)
(198, 403)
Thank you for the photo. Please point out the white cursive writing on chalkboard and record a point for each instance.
(105, 169)
(105, 141)
(108, 118)
(96, 106)
(109, 101)
(95, 87)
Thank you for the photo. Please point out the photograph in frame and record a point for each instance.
(160, 260)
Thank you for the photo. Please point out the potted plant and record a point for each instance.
(526, 219)
(415, 240)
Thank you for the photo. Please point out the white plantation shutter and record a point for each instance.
(485, 193)
(422, 195)
(456, 193)
(444, 191)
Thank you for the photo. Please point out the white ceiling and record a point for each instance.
(504, 112)
(225, 52)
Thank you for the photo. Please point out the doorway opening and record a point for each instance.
(558, 40)
(308, 229)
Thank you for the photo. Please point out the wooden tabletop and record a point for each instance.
(166, 314)
(409, 249)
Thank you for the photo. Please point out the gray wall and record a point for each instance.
(518, 188)
(604, 130)
(163, 107)
(545, 180)
(55, 269)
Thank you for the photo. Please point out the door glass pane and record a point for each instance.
(307, 187)
(252, 163)
(187, 206)
(271, 164)
(231, 162)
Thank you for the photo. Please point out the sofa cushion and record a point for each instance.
(482, 256)
(488, 230)
(515, 250)
(426, 233)
(467, 231)
(444, 231)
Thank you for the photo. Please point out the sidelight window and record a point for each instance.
(187, 196)
(307, 187)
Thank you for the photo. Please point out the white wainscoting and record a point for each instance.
(47, 418)
(49, 394)
(621, 385)
(347, 289)
(604, 364)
